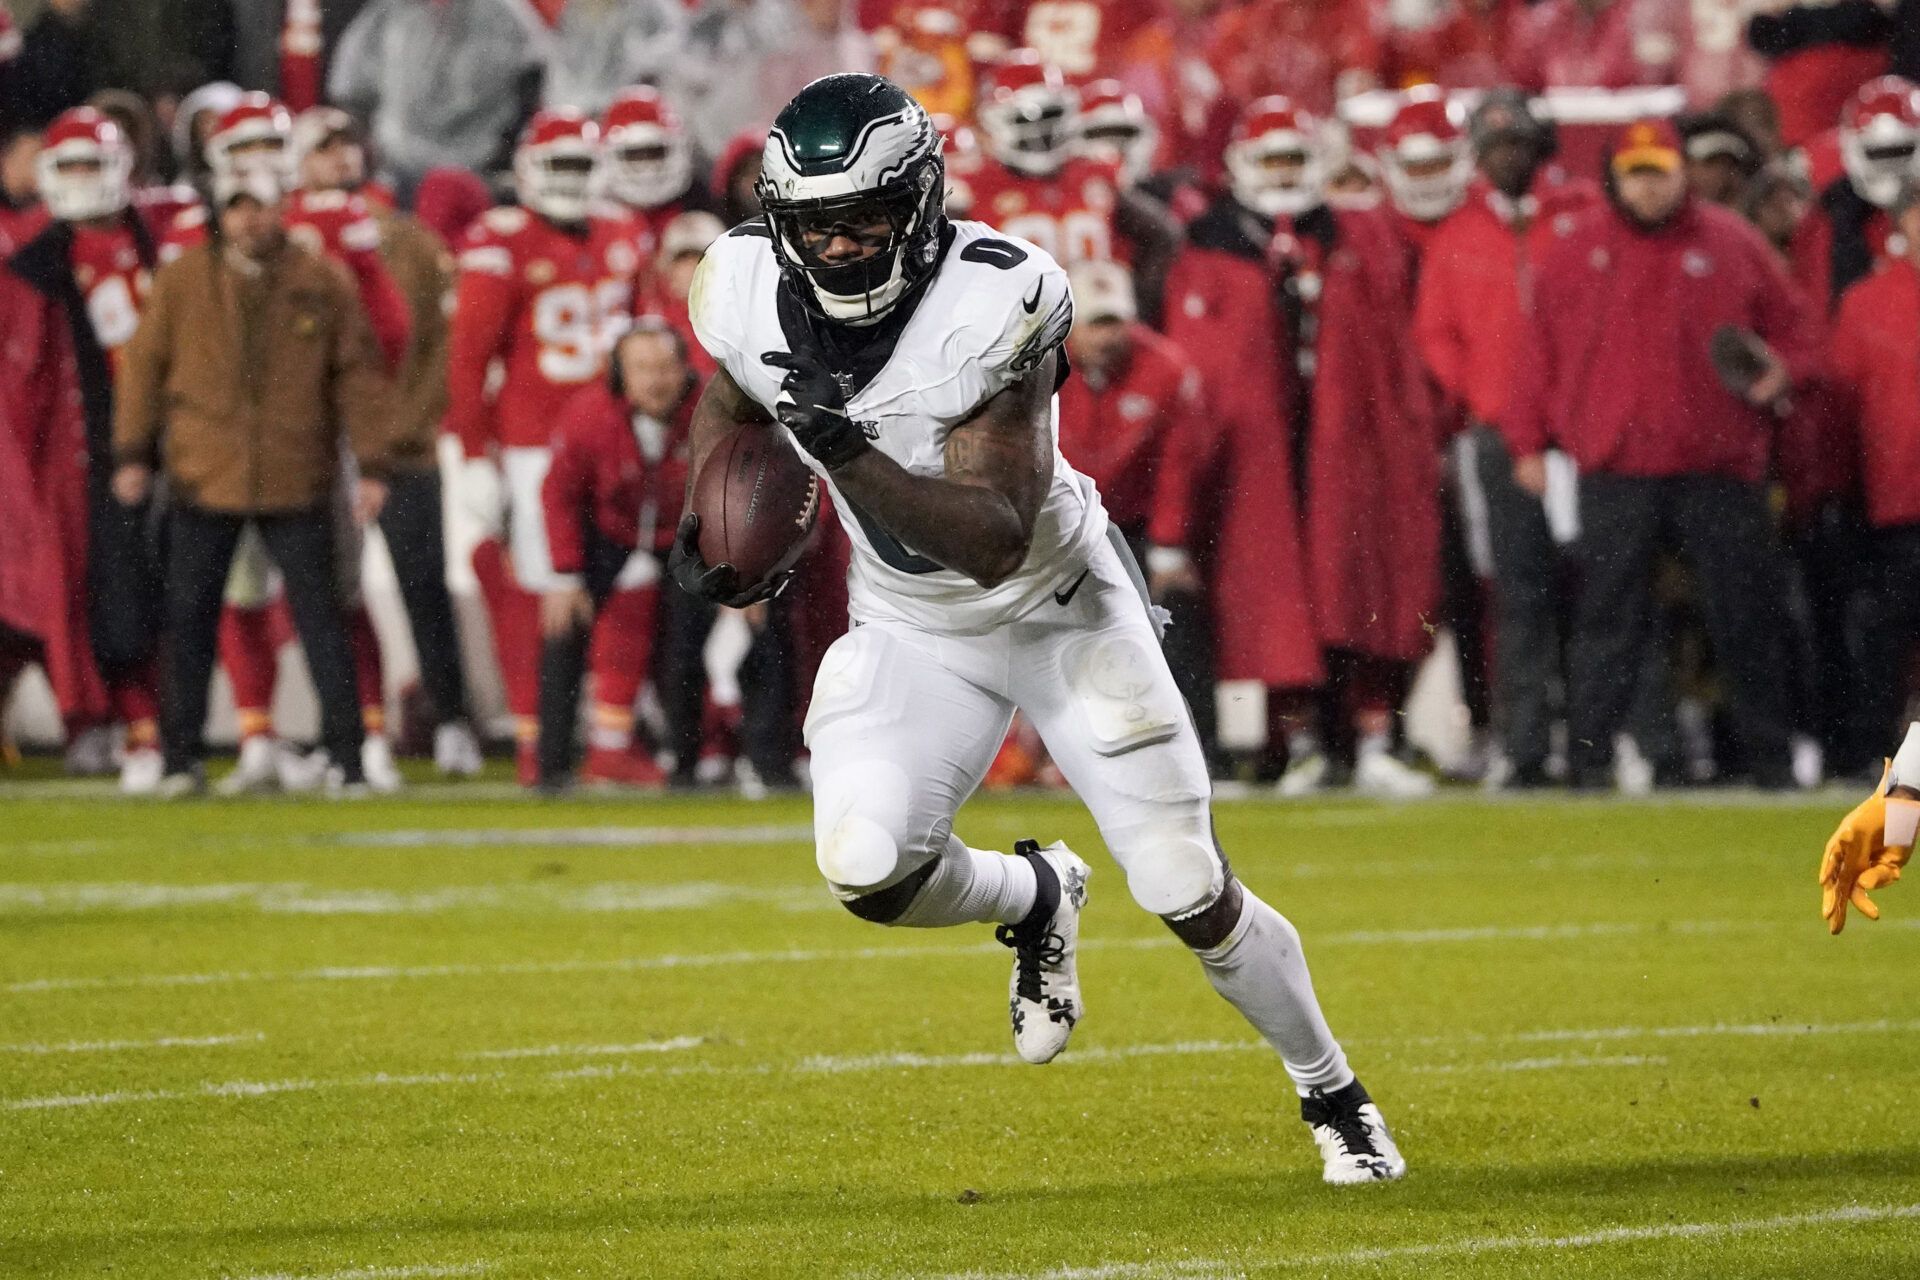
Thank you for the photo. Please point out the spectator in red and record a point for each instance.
(1875, 359)
(1297, 315)
(1315, 52)
(1846, 232)
(611, 500)
(1818, 54)
(1596, 44)
(1618, 371)
(1081, 37)
(1468, 326)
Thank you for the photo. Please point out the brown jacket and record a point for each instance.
(243, 385)
(423, 269)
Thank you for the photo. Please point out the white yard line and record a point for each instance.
(572, 837)
(593, 1050)
(809, 1066)
(422, 1272)
(725, 959)
(116, 1046)
(1222, 1268)
(297, 898)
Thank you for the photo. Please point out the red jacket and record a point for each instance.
(1615, 368)
(1118, 432)
(1477, 272)
(1875, 358)
(1228, 494)
(601, 472)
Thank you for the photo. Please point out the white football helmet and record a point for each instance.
(85, 166)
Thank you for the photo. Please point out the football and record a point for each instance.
(757, 503)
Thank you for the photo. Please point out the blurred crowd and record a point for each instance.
(1575, 341)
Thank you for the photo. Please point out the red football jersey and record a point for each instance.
(341, 225)
(1070, 215)
(1083, 37)
(113, 281)
(544, 304)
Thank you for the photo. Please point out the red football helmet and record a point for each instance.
(1274, 160)
(1113, 125)
(1879, 130)
(85, 166)
(317, 130)
(256, 130)
(1028, 115)
(554, 162)
(648, 160)
(1426, 159)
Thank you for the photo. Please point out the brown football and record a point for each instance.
(756, 501)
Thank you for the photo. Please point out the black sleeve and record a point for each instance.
(1855, 22)
(1906, 39)
(55, 69)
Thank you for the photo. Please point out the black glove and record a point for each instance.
(719, 583)
(812, 406)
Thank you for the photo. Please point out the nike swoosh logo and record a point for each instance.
(1066, 597)
(1033, 304)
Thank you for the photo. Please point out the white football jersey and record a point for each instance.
(995, 307)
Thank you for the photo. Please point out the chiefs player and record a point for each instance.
(1846, 231)
(1032, 184)
(97, 252)
(539, 289)
(1113, 126)
(646, 167)
(1296, 314)
(1425, 161)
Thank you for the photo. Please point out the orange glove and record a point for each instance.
(1858, 858)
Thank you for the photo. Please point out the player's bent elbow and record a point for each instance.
(1001, 562)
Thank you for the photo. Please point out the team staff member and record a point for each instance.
(332, 166)
(1617, 370)
(611, 498)
(251, 362)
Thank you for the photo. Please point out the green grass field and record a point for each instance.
(466, 1034)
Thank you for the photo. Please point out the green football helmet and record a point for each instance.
(854, 155)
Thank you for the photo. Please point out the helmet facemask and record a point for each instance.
(899, 224)
(81, 182)
(1879, 157)
(645, 168)
(1031, 132)
(1278, 175)
(556, 180)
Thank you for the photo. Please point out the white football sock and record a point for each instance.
(972, 886)
(1259, 971)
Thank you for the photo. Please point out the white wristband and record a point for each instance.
(1906, 761)
(1903, 822)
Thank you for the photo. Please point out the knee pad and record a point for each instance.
(862, 841)
(1173, 867)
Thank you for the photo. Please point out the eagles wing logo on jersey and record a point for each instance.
(849, 152)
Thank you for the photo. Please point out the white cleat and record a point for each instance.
(378, 766)
(1377, 773)
(1305, 776)
(1044, 994)
(300, 773)
(258, 769)
(141, 771)
(1353, 1139)
(456, 751)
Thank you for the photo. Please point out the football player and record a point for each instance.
(336, 200)
(100, 251)
(1873, 843)
(1298, 315)
(1426, 162)
(1035, 183)
(539, 287)
(1846, 231)
(914, 360)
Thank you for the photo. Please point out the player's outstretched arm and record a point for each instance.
(1872, 843)
(978, 518)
